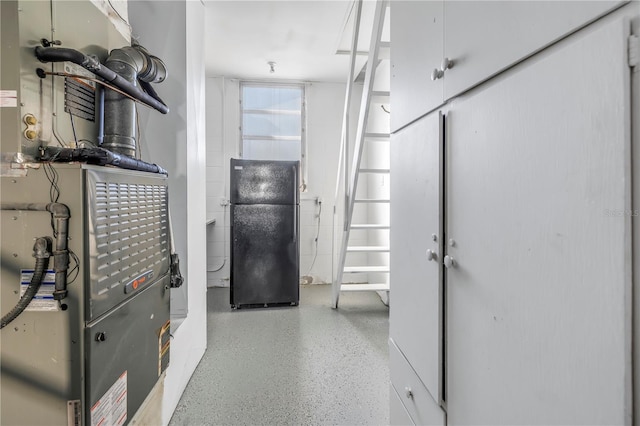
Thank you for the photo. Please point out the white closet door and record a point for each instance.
(505, 32)
(416, 31)
(538, 198)
(416, 295)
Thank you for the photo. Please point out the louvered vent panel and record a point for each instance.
(80, 99)
(131, 232)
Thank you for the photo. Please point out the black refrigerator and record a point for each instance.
(265, 249)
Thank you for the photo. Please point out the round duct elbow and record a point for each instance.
(135, 64)
(148, 68)
(153, 69)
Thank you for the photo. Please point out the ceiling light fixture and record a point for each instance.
(272, 66)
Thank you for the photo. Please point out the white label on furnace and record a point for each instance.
(8, 98)
(237, 167)
(43, 300)
(111, 409)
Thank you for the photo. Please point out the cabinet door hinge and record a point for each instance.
(634, 50)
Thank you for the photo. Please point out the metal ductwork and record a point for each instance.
(92, 64)
(131, 69)
(136, 65)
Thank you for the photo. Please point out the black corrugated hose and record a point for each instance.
(42, 253)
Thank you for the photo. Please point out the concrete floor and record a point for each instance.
(305, 365)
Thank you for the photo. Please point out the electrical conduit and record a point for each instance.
(42, 253)
(60, 215)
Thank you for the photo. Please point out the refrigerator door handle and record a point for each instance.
(295, 223)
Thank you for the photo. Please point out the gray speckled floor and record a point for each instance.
(306, 365)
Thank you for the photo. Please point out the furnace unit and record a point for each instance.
(86, 255)
(111, 333)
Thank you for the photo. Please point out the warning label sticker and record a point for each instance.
(8, 98)
(111, 409)
(43, 300)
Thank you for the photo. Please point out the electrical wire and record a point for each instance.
(385, 110)
(55, 135)
(224, 241)
(73, 127)
(76, 267)
(52, 126)
(52, 175)
(317, 236)
(59, 141)
(54, 190)
(120, 16)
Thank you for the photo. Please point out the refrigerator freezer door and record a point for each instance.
(264, 254)
(264, 182)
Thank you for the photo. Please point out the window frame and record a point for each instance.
(303, 121)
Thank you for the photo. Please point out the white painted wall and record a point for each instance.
(174, 31)
(325, 102)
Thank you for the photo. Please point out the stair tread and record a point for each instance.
(384, 54)
(369, 226)
(380, 97)
(385, 50)
(368, 248)
(364, 287)
(376, 135)
(374, 171)
(372, 200)
(357, 269)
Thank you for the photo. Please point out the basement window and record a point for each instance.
(273, 122)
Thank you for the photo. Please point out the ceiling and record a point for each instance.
(307, 39)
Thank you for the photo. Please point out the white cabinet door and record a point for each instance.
(485, 37)
(398, 415)
(415, 398)
(635, 166)
(416, 307)
(538, 199)
(416, 49)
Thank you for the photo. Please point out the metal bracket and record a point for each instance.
(176, 276)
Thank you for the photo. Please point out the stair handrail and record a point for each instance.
(340, 202)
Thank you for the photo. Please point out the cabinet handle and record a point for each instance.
(408, 392)
(449, 262)
(446, 64)
(436, 74)
(431, 255)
